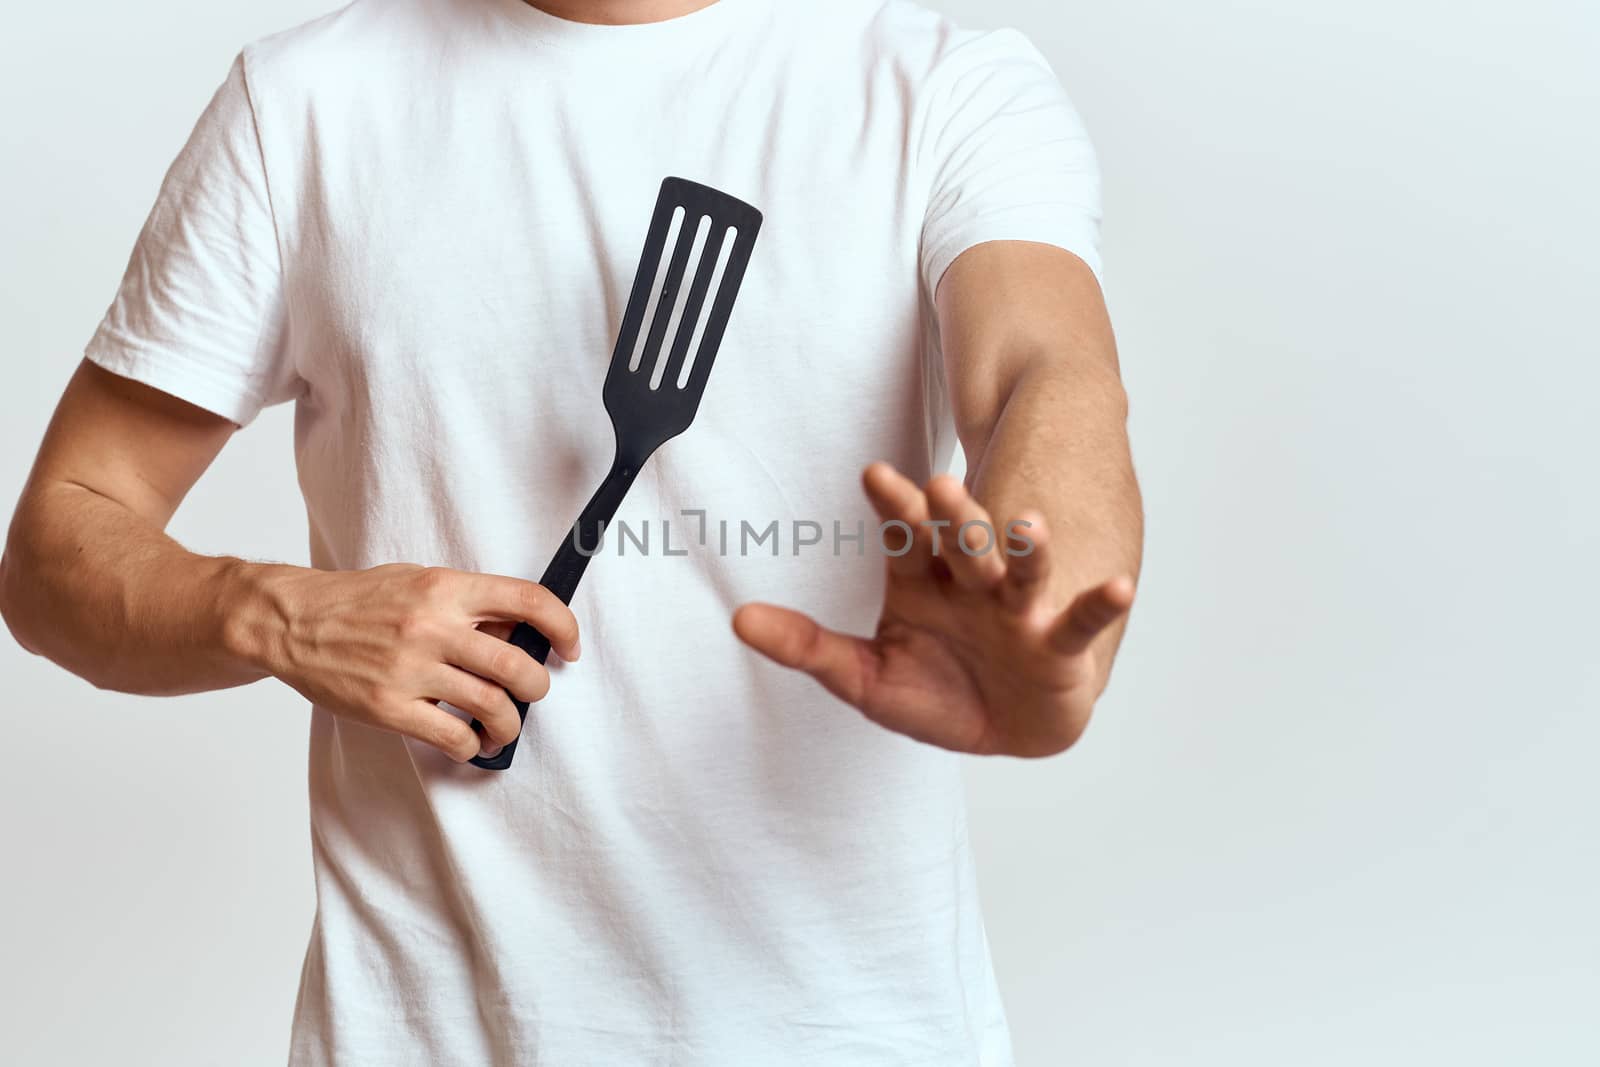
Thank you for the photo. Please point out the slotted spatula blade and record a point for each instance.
(665, 349)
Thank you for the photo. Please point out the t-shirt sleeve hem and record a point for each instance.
(1017, 225)
(177, 373)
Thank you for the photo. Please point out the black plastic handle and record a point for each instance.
(562, 578)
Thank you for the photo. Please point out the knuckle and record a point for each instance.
(415, 626)
(375, 699)
(534, 685)
(502, 725)
(506, 662)
(532, 598)
(435, 731)
(489, 698)
(556, 620)
(568, 624)
(503, 731)
(433, 581)
(453, 737)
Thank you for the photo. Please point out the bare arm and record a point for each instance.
(985, 651)
(1041, 412)
(90, 581)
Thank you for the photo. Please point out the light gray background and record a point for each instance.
(1339, 806)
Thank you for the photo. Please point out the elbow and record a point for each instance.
(19, 601)
(11, 608)
(19, 608)
(1103, 388)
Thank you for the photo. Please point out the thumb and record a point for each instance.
(840, 662)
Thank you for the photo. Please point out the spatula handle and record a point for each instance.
(562, 578)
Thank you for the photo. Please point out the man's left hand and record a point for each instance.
(975, 651)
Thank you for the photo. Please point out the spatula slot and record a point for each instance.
(642, 342)
(725, 253)
(675, 323)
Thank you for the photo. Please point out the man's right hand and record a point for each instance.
(90, 579)
(384, 646)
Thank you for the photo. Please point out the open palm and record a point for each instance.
(970, 653)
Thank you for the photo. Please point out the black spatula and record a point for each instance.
(668, 342)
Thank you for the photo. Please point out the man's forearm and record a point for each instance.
(99, 590)
(1060, 446)
(102, 591)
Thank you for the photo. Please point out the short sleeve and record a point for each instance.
(1006, 155)
(200, 310)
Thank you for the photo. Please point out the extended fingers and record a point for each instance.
(949, 524)
(1027, 550)
(838, 661)
(898, 500)
(1091, 614)
(967, 538)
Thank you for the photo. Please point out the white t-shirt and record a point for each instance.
(419, 220)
